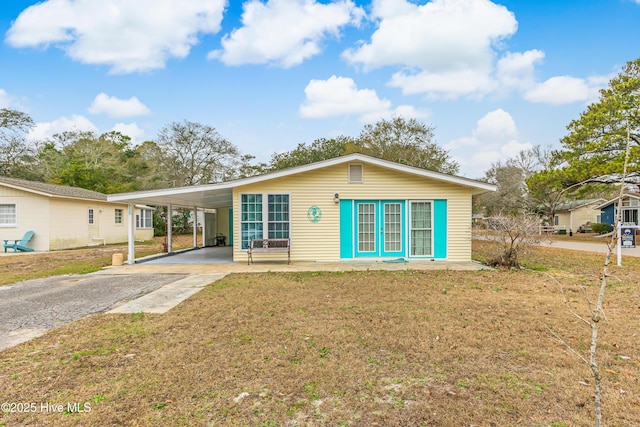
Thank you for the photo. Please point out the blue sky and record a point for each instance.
(493, 78)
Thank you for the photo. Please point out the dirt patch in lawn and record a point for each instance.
(24, 266)
(403, 348)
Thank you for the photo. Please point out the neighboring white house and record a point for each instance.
(65, 217)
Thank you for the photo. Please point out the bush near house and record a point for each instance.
(601, 228)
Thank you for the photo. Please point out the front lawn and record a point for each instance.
(345, 349)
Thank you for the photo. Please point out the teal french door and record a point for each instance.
(379, 228)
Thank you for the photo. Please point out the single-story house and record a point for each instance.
(65, 217)
(574, 213)
(630, 208)
(348, 207)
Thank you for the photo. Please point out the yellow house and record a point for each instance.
(349, 207)
(575, 213)
(65, 217)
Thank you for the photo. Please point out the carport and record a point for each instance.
(199, 199)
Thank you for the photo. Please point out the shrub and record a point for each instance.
(601, 228)
(514, 233)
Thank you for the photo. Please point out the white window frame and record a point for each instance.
(15, 216)
(144, 220)
(265, 213)
(410, 228)
(628, 211)
(121, 218)
(91, 216)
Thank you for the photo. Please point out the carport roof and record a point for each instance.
(221, 195)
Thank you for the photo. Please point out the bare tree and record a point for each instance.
(196, 153)
(514, 233)
(596, 309)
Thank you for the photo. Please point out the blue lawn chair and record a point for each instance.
(20, 245)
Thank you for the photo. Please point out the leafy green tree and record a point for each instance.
(517, 191)
(244, 167)
(105, 163)
(511, 195)
(596, 142)
(320, 149)
(16, 155)
(409, 142)
(194, 153)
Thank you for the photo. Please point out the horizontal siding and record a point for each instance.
(32, 214)
(580, 216)
(321, 241)
(70, 224)
(63, 223)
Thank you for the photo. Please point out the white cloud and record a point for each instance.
(517, 70)
(129, 36)
(498, 125)
(565, 89)
(450, 84)
(45, 130)
(132, 130)
(115, 107)
(494, 138)
(5, 99)
(455, 48)
(285, 32)
(339, 96)
(448, 46)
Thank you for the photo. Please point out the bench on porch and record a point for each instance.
(267, 246)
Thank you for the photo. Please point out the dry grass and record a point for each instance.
(24, 266)
(360, 348)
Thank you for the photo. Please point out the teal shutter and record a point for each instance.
(440, 228)
(346, 229)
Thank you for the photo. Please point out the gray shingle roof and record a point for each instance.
(52, 189)
(575, 204)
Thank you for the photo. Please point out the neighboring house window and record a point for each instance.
(91, 217)
(598, 218)
(556, 220)
(630, 216)
(253, 220)
(118, 216)
(144, 219)
(8, 217)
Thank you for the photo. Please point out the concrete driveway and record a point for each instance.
(28, 309)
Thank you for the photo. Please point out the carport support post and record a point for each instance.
(169, 229)
(195, 227)
(131, 227)
(204, 227)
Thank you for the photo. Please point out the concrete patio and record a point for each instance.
(218, 260)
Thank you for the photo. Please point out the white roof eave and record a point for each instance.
(225, 188)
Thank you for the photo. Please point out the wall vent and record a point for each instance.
(355, 173)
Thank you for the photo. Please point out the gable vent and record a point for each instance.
(355, 173)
